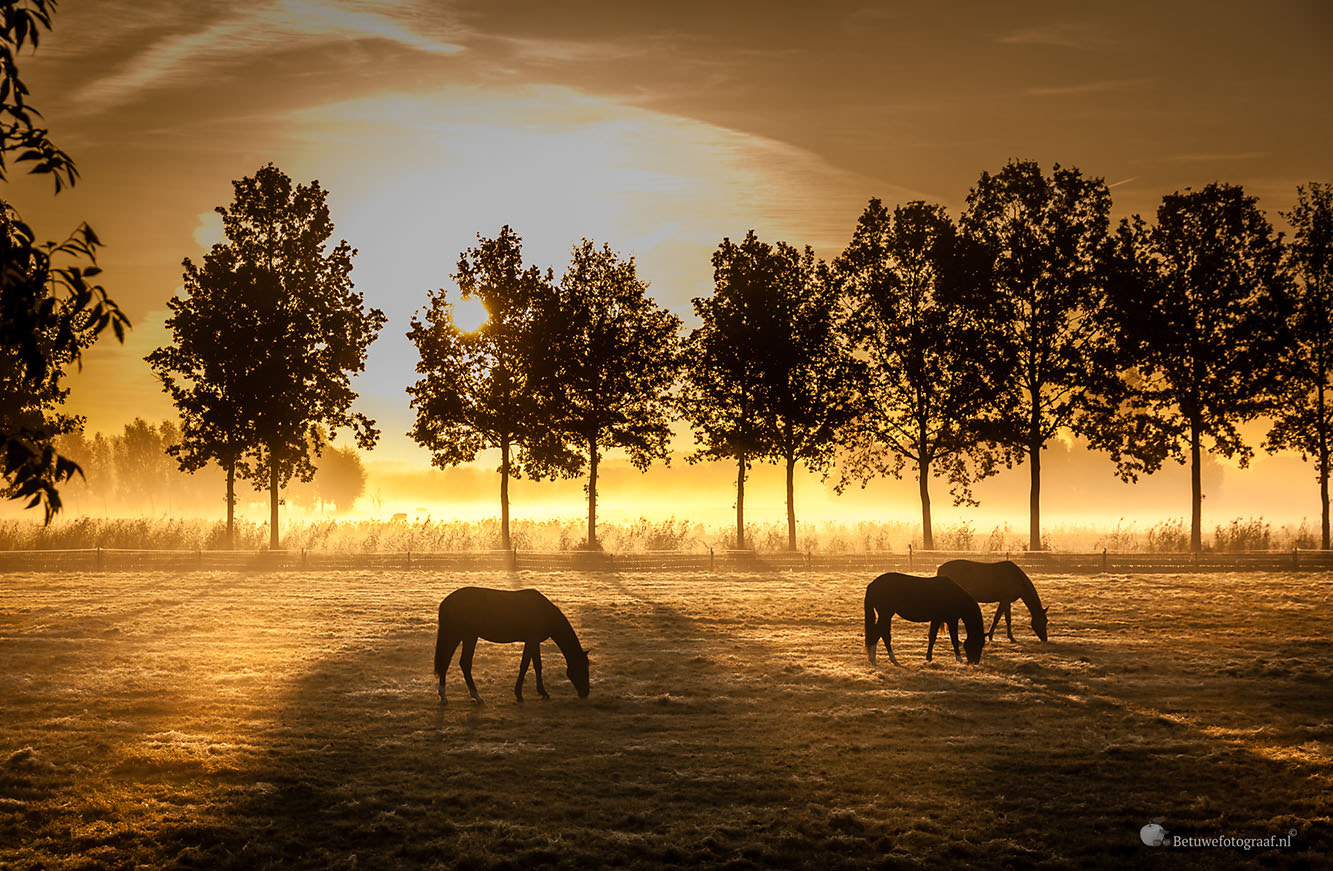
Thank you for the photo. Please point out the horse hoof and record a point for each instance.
(546, 697)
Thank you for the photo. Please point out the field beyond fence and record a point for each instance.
(912, 561)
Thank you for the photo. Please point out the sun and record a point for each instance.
(469, 314)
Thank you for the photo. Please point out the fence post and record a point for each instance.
(809, 559)
(710, 559)
(1103, 559)
(513, 559)
(409, 560)
(199, 556)
(1295, 559)
(303, 562)
(909, 556)
(99, 557)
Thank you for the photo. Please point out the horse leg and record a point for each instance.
(996, 622)
(887, 623)
(522, 672)
(953, 636)
(1007, 627)
(930, 646)
(448, 645)
(465, 662)
(537, 669)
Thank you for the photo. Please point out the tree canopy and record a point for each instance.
(614, 357)
(1302, 418)
(485, 388)
(1045, 239)
(265, 353)
(917, 318)
(51, 307)
(1199, 301)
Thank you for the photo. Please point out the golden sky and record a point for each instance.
(659, 129)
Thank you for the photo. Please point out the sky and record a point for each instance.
(658, 129)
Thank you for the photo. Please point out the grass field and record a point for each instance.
(225, 720)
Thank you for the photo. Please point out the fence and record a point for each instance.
(917, 561)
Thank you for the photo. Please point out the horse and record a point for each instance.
(1001, 582)
(506, 616)
(937, 600)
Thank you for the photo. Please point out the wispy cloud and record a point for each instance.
(1210, 157)
(1099, 87)
(1061, 35)
(278, 24)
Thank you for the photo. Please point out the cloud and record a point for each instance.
(1078, 35)
(1100, 87)
(182, 57)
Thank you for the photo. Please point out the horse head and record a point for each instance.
(972, 646)
(1039, 623)
(577, 672)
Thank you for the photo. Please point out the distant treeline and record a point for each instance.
(133, 471)
(930, 346)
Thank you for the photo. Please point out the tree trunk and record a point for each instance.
(273, 499)
(592, 492)
(504, 494)
(923, 484)
(740, 502)
(231, 505)
(1034, 471)
(1322, 420)
(1034, 497)
(1196, 490)
(791, 503)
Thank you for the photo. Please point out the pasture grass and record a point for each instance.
(228, 720)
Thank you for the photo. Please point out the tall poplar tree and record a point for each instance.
(1199, 300)
(484, 389)
(614, 356)
(267, 339)
(1045, 239)
(1302, 417)
(917, 318)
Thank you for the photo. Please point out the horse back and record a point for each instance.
(498, 615)
(921, 599)
(986, 582)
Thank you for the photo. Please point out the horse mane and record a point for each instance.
(562, 633)
(1027, 592)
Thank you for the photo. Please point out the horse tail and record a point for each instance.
(440, 664)
(871, 640)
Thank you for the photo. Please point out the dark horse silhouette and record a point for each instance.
(506, 616)
(1001, 582)
(937, 600)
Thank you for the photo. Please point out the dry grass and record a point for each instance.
(273, 721)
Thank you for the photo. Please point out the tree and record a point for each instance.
(341, 477)
(50, 308)
(484, 389)
(725, 390)
(142, 464)
(806, 368)
(264, 355)
(614, 355)
(1045, 241)
(917, 319)
(210, 370)
(1198, 300)
(1302, 419)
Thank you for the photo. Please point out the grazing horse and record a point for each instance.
(506, 616)
(937, 600)
(1001, 582)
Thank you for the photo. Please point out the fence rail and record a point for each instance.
(917, 561)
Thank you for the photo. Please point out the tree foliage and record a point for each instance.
(917, 318)
(613, 359)
(1199, 299)
(51, 307)
(1302, 418)
(1045, 239)
(265, 353)
(485, 388)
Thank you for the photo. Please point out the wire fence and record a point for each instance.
(912, 561)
